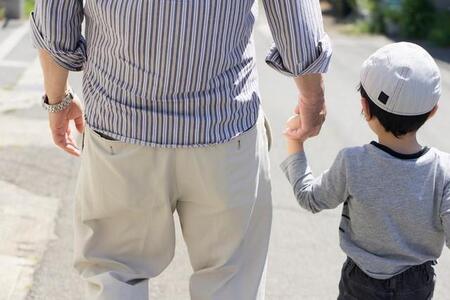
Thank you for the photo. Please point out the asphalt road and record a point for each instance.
(304, 258)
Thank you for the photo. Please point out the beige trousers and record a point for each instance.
(124, 226)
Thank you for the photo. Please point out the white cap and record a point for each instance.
(402, 79)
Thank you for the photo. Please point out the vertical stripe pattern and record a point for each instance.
(176, 73)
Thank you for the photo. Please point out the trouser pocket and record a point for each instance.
(268, 131)
(82, 139)
(105, 136)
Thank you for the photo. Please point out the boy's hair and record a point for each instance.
(398, 125)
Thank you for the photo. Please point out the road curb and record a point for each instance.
(26, 93)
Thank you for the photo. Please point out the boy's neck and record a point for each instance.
(406, 144)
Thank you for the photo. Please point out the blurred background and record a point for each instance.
(412, 19)
(37, 180)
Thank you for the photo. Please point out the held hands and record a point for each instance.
(311, 108)
(305, 123)
(59, 126)
(311, 119)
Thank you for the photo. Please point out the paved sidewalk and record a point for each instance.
(26, 92)
(27, 216)
(27, 223)
(16, 53)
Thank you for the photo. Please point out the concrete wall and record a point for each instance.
(14, 8)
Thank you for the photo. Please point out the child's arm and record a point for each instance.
(313, 194)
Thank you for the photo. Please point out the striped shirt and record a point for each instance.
(176, 73)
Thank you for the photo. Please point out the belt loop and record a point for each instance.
(392, 283)
(350, 265)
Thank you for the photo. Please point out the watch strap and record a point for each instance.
(68, 98)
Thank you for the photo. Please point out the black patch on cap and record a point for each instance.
(383, 98)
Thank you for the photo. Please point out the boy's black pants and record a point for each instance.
(416, 283)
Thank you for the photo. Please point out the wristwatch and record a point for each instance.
(68, 98)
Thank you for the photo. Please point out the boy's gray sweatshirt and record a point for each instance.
(396, 211)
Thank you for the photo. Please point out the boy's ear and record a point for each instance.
(365, 109)
(433, 111)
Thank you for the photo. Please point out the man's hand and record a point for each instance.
(59, 125)
(311, 107)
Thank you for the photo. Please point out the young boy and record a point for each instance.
(396, 192)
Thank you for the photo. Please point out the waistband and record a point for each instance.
(397, 280)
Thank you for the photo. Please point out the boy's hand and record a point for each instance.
(312, 119)
(293, 126)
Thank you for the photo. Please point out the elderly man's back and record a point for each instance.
(178, 72)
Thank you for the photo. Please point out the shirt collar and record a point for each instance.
(400, 155)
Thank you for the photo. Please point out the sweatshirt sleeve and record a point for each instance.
(315, 194)
(56, 28)
(445, 213)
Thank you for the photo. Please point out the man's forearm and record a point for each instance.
(55, 78)
(311, 88)
(311, 106)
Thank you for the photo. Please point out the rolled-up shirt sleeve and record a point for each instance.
(56, 28)
(301, 45)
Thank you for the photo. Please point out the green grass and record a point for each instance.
(360, 27)
(440, 32)
(29, 7)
